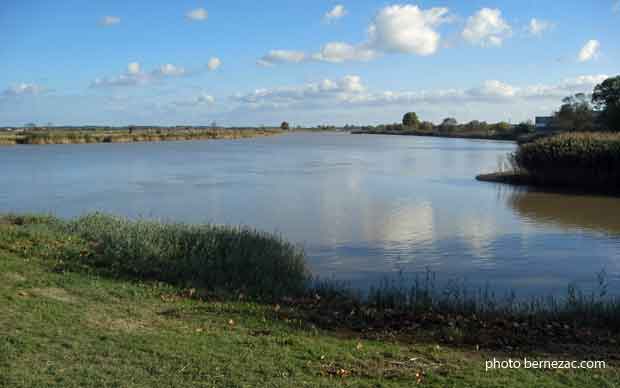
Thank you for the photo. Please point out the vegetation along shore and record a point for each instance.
(588, 161)
(126, 135)
(584, 156)
(178, 306)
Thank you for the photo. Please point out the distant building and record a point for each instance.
(543, 122)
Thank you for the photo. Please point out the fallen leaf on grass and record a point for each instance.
(419, 376)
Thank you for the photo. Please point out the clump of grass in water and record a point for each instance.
(212, 257)
(579, 159)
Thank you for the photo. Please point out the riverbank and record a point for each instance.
(60, 136)
(457, 135)
(88, 303)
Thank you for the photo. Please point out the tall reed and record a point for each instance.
(575, 159)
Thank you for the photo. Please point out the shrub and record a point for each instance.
(584, 159)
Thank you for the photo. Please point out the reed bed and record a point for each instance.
(125, 136)
(209, 257)
(574, 159)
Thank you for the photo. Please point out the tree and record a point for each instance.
(410, 119)
(525, 127)
(426, 126)
(575, 114)
(448, 124)
(606, 99)
(476, 126)
(503, 126)
(284, 126)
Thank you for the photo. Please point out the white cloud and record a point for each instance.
(198, 14)
(202, 99)
(133, 68)
(311, 93)
(486, 28)
(206, 99)
(351, 84)
(493, 89)
(109, 20)
(169, 70)
(214, 63)
(537, 27)
(584, 80)
(615, 8)
(395, 29)
(24, 89)
(407, 29)
(120, 80)
(136, 77)
(589, 50)
(281, 56)
(335, 13)
(337, 52)
(350, 91)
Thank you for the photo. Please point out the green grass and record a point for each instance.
(84, 329)
(206, 257)
(584, 160)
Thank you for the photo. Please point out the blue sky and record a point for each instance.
(114, 62)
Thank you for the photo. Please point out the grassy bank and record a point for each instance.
(60, 136)
(586, 161)
(69, 320)
(101, 301)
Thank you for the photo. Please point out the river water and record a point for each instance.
(365, 207)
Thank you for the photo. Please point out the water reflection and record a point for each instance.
(569, 212)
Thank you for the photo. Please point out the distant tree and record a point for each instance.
(476, 126)
(503, 126)
(525, 127)
(448, 124)
(575, 114)
(394, 127)
(426, 126)
(410, 120)
(606, 99)
(284, 126)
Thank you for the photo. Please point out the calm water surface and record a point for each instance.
(364, 207)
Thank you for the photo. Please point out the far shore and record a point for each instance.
(457, 135)
(127, 135)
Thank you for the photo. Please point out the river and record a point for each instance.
(365, 207)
